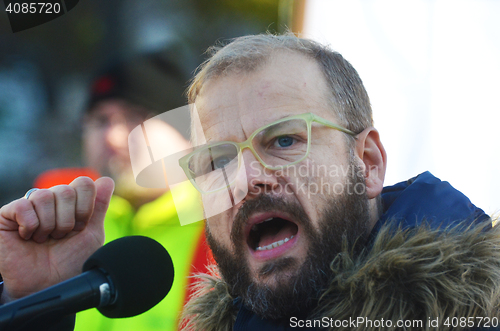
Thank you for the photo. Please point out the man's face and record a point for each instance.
(105, 136)
(273, 246)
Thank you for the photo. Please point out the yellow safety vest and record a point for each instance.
(158, 220)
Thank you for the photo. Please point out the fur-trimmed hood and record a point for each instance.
(422, 273)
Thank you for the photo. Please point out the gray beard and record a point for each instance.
(343, 222)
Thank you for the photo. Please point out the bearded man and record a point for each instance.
(289, 257)
(313, 239)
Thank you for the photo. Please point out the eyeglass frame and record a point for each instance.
(307, 117)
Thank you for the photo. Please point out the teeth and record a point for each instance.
(274, 244)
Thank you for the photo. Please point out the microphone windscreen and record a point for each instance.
(140, 270)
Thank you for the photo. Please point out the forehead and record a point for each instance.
(114, 107)
(231, 107)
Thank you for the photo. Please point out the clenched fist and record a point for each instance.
(46, 238)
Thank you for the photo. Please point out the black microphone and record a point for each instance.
(124, 278)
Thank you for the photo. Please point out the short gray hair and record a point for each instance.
(246, 54)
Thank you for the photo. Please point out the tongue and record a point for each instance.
(276, 234)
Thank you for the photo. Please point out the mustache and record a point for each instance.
(263, 203)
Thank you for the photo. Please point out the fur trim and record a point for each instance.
(211, 306)
(416, 274)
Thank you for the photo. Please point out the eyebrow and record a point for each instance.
(275, 120)
(284, 116)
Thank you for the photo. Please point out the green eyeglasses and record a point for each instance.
(280, 144)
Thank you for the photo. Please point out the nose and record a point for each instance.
(117, 134)
(258, 179)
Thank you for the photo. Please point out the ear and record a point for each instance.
(372, 154)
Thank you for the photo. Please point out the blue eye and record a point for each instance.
(284, 141)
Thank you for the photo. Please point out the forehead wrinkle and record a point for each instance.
(269, 91)
(207, 130)
(302, 80)
(270, 97)
(226, 124)
(301, 87)
(282, 93)
(225, 127)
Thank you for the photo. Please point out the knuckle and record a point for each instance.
(42, 197)
(84, 184)
(65, 192)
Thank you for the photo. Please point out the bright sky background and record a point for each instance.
(432, 71)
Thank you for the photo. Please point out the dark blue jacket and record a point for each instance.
(424, 197)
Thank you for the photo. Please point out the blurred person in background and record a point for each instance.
(122, 97)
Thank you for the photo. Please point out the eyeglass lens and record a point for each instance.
(278, 145)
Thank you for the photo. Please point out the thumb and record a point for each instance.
(104, 190)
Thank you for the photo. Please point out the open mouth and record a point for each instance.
(271, 233)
